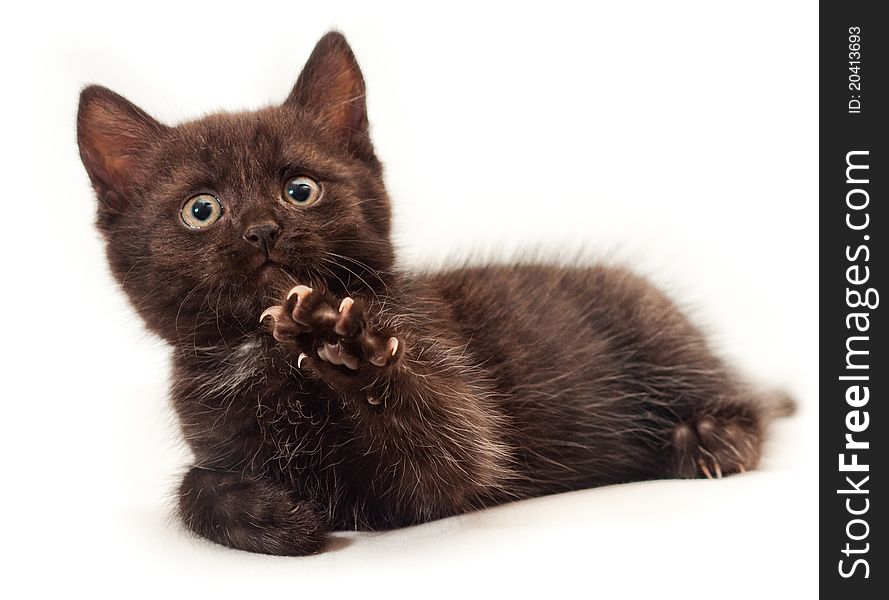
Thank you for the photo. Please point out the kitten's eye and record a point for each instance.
(201, 211)
(302, 191)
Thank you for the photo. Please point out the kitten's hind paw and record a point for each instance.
(714, 446)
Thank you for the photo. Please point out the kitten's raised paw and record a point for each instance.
(713, 447)
(334, 332)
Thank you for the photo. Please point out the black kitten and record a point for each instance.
(367, 397)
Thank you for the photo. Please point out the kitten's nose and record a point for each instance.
(263, 236)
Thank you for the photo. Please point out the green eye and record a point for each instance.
(302, 191)
(201, 211)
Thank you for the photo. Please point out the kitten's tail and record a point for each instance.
(778, 404)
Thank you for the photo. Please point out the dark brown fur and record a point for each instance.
(506, 382)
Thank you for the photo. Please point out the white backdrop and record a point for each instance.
(680, 138)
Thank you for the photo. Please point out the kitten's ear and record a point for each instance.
(331, 87)
(113, 135)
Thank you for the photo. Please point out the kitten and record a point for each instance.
(366, 397)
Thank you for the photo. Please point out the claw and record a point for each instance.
(301, 291)
(718, 470)
(274, 312)
(299, 361)
(704, 468)
(345, 307)
(380, 360)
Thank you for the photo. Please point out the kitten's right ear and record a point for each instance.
(113, 135)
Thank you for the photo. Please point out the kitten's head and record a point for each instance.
(210, 221)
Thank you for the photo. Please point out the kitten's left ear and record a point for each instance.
(331, 87)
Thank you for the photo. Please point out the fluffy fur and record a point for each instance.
(370, 397)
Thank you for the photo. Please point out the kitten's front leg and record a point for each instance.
(418, 406)
(249, 513)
